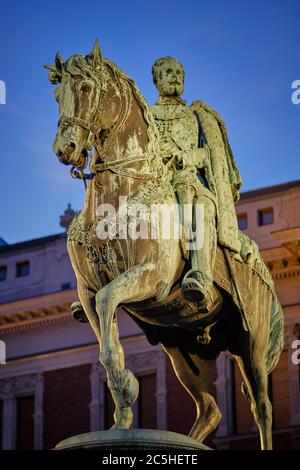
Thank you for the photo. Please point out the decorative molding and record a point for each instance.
(10, 389)
(287, 235)
(287, 274)
(143, 362)
(17, 385)
(15, 329)
(34, 318)
(277, 253)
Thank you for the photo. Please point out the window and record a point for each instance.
(242, 221)
(25, 423)
(147, 401)
(265, 216)
(3, 273)
(22, 269)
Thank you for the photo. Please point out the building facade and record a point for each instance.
(52, 385)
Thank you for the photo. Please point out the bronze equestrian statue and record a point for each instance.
(196, 304)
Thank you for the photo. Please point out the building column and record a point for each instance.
(294, 373)
(224, 395)
(97, 403)
(9, 423)
(161, 392)
(38, 412)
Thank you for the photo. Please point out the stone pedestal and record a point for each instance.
(131, 440)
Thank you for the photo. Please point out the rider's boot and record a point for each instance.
(201, 293)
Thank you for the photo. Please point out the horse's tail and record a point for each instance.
(276, 336)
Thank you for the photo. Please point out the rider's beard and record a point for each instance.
(170, 89)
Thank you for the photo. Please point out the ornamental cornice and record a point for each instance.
(34, 318)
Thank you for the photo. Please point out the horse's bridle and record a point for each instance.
(78, 173)
(78, 122)
(75, 172)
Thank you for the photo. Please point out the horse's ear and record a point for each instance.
(59, 63)
(53, 75)
(95, 57)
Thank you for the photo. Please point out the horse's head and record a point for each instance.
(79, 92)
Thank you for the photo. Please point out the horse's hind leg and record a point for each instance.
(256, 380)
(87, 300)
(133, 285)
(195, 375)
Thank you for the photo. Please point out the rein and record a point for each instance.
(112, 166)
(101, 167)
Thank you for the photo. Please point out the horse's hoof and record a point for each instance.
(78, 312)
(117, 426)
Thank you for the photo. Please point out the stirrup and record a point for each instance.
(78, 313)
(191, 288)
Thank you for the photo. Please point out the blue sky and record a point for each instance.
(239, 56)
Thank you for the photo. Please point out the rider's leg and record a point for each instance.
(199, 282)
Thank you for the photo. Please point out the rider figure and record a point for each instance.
(194, 145)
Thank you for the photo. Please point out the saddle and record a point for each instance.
(245, 284)
(248, 286)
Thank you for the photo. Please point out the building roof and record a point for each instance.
(28, 244)
(270, 190)
(3, 242)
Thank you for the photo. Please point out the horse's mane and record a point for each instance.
(78, 65)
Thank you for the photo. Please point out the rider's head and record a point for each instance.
(168, 76)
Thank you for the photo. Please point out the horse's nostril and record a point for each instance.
(69, 148)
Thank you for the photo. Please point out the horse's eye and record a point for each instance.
(86, 87)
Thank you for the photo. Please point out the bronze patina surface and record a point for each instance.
(196, 302)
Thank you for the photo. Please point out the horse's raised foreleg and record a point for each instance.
(256, 380)
(133, 285)
(195, 375)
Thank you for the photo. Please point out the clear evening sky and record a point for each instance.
(239, 56)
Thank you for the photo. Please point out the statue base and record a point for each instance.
(131, 440)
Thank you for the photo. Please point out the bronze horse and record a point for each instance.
(102, 108)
